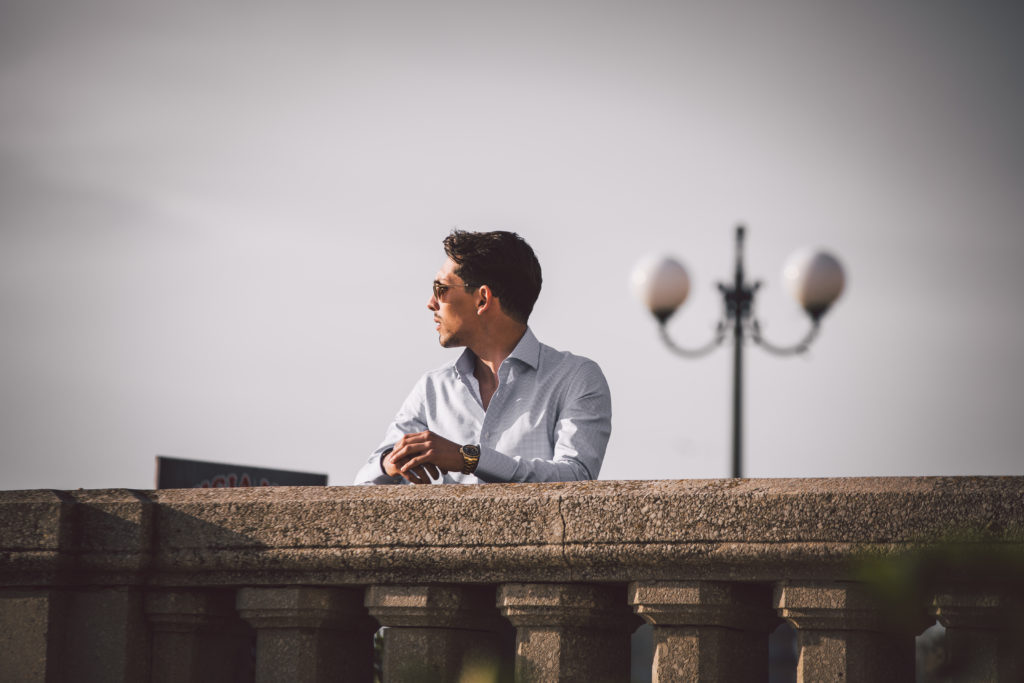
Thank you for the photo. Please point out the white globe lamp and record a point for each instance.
(661, 283)
(815, 279)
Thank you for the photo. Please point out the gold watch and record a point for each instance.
(470, 458)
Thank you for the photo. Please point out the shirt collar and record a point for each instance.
(464, 365)
(526, 351)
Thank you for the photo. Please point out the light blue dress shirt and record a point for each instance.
(549, 419)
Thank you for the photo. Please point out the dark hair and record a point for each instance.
(501, 260)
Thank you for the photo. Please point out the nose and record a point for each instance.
(432, 303)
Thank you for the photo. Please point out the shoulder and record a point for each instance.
(578, 382)
(568, 365)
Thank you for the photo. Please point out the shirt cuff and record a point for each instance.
(495, 466)
(380, 461)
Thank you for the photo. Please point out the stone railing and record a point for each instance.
(531, 582)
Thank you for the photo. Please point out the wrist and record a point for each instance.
(383, 467)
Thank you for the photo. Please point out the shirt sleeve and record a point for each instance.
(411, 418)
(583, 426)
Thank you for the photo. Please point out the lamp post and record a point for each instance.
(815, 280)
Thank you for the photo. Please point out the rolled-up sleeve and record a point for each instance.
(582, 429)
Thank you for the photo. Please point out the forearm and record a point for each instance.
(496, 467)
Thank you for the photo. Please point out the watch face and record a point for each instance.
(471, 450)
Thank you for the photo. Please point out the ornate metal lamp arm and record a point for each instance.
(799, 347)
(719, 337)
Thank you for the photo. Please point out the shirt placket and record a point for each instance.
(490, 430)
(473, 403)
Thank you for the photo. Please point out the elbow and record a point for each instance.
(574, 470)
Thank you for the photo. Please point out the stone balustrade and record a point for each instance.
(502, 582)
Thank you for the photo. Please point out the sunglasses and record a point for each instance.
(440, 288)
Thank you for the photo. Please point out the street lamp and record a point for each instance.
(815, 279)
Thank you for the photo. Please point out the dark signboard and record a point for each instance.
(177, 473)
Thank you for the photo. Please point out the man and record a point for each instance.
(510, 408)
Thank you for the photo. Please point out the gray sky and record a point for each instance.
(219, 221)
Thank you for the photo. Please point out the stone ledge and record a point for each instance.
(604, 531)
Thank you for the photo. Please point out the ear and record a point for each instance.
(484, 299)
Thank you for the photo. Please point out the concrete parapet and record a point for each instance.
(113, 583)
(581, 531)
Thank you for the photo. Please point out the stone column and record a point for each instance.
(706, 630)
(35, 551)
(983, 635)
(568, 632)
(196, 637)
(110, 640)
(309, 635)
(844, 634)
(30, 635)
(438, 633)
(112, 554)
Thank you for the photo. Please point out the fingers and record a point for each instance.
(418, 460)
(416, 475)
(393, 464)
(411, 444)
(412, 476)
(418, 437)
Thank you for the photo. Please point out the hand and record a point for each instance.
(416, 455)
(418, 475)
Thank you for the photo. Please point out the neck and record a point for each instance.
(495, 348)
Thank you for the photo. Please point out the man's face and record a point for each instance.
(455, 309)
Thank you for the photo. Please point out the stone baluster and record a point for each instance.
(706, 630)
(111, 638)
(35, 537)
(196, 636)
(31, 629)
(112, 551)
(568, 632)
(309, 635)
(439, 633)
(983, 635)
(845, 634)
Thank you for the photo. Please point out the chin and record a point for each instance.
(449, 342)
